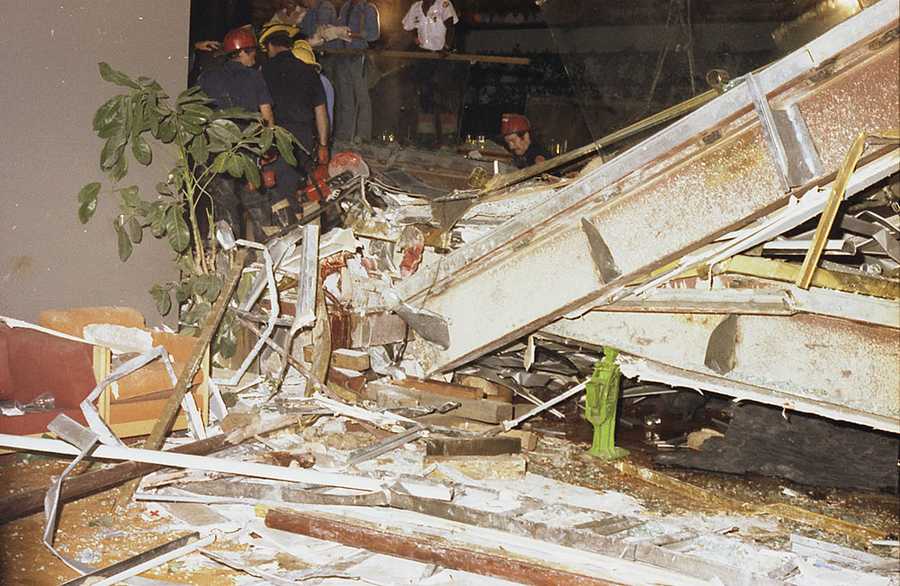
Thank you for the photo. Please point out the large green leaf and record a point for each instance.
(184, 290)
(265, 140)
(199, 149)
(89, 192)
(192, 95)
(107, 115)
(177, 229)
(284, 142)
(195, 314)
(163, 188)
(130, 196)
(167, 129)
(225, 129)
(191, 124)
(117, 77)
(124, 242)
(87, 200)
(120, 169)
(157, 217)
(251, 170)
(141, 150)
(204, 113)
(208, 287)
(112, 151)
(220, 162)
(161, 296)
(216, 144)
(233, 166)
(135, 230)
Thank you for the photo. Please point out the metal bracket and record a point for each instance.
(803, 160)
(600, 253)
(787, 136)
(721, 347)
(770, 131)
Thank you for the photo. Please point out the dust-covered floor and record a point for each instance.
(93, 531)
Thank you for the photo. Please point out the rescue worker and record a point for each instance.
(237, 83)
(516, 131)
(300, 107)
(354, 106)
(303, 51)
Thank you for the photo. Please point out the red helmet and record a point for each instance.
(511, 123)
(237, 39)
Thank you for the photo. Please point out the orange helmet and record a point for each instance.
(237, 39)
(512, 123)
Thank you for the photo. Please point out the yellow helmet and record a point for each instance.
(303, 51)
(270, 30)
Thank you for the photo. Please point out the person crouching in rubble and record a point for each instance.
(516, 131)
(237, 83)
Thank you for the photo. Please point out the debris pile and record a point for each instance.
(398, 337)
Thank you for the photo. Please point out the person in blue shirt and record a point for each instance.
(353, 119)
(320, 13)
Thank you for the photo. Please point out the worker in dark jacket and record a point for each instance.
(516, 131)
(237, 83)
(300, 106)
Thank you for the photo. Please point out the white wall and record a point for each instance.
(49, 91)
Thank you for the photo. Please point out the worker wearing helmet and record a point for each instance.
(303, 51)
(300, 104)
(237, 83)
(516, 131)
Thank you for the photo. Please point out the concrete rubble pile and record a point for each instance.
(370, 424)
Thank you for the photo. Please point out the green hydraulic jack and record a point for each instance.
(602, 395)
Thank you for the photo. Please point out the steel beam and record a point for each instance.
(809, 362)
(703, 176)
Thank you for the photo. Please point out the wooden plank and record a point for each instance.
(350, 359)
(210, 325)
(439, 387)
(491, 389)
(343, 358)
(349, 379)
(433, 56)
(486, 410)
(427, 549)
(474, 446)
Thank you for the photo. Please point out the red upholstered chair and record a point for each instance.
(32, 363)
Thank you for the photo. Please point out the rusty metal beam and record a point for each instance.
(487, 558)
(703, 176)
(828, 366)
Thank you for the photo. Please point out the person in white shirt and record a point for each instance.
(430, 18)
